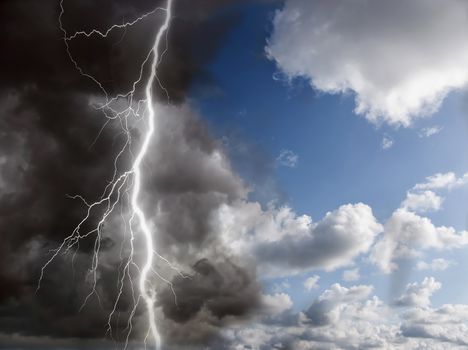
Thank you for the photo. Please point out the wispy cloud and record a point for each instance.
(430, 131)
(387, 142)
(287, 158)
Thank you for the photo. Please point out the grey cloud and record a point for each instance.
(49, 149)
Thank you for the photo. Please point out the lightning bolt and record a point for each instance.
(125, 186)
(148, 295)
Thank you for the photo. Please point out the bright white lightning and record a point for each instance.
(148, 297)
(127, 183)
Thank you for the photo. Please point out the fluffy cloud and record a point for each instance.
(447, 325)
(418, 294)
(328, 306)
(422, 202)
(400, 59)
(283, 243)
(311, 282)
(406, 233)
(441, 181)
(276, 304)
(352, 318)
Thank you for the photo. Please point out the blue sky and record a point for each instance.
(340, 154)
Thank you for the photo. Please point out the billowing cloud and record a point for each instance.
(283, 243)
(399, 59)
(328, 306)
(276, 304)
(446, 325)
(422, 201)
(311, 282)
(352, 318)
(407, 233)
(442, 181)
(419, 294)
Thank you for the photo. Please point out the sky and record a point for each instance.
(305, 186)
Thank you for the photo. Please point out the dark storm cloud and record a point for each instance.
(216, 287)
(36, 54)
(47, 150)
(191, 178)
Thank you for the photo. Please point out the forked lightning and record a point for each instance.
(125, 186)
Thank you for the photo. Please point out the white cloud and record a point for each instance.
(387, 142)
(311, 282)
(446, 325)
(422, 202)
(435, 265)
(331, 243)
(283, 243)
(287, 158)
(352, 318)
(418, 294)
(441, 181)
(399, 58)
(328, 306)
(276, 304)
(406, 233)
(351, 275)
(430, 131)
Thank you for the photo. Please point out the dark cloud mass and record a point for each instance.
(49, 148)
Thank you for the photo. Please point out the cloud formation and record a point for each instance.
(399, 59)
(282, 243)
(438, 264)
(422, 201)
(406, 234)
(353, 318)
(419, 294)
(430, 131)
(287, 158)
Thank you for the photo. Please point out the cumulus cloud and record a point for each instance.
(328, 306)
(407, 233)
(399, 59)
(418, 294)
(353, 318)
(311, 282)
(446, 325)
(283, 243)
(422, 202)
(339, 318)
(276, 304)
(442, 181)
